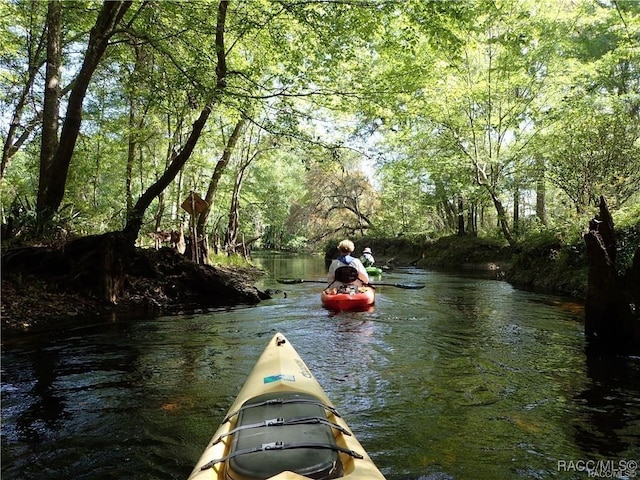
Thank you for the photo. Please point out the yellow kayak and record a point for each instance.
(282, 426)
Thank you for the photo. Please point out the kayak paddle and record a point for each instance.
(409, 286)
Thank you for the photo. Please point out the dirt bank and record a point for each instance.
(36, 293)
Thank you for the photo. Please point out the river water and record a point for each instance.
(467, 378)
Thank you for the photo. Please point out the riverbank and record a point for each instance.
(163, 282)
(158, 282)
(548, 268)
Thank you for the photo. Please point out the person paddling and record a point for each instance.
(367, 258)
(346, 271)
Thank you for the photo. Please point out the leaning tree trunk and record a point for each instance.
(135, 217)
(213, 186)
(502, 219)
(612, 319)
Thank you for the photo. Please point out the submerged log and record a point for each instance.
(612, 307)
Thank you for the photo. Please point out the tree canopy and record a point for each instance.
(299, 120)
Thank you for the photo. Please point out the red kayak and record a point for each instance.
(360, 299)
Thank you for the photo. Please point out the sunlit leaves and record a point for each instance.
(449, 95)
(596, 152)
(514, 71)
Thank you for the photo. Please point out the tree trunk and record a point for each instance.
(473, 218)
(541, 195)
(55, 172)
(49, 141)
(502, 219)
(450, 214)
(460, 216)
(612, 320)
(231, 237)
(113, 266)
(157, 217)
(217, 173)
(131, 155)
(135, 217)
(99, 263)
(516, 210)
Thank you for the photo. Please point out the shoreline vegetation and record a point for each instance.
(38, 292)
(102, 275)
(549, 268)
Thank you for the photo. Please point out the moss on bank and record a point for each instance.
(550, 268)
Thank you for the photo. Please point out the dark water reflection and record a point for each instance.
(465, 379)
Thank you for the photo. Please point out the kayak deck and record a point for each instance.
(374, 271)
(282, 426)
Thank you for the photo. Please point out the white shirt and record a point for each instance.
(369, 257)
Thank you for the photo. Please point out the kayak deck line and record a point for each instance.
(282, 401)
(279, 445)
(277, 422)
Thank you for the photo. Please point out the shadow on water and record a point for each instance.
(611, 401)
(465, 379)
(44, 415)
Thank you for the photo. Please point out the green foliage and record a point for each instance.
(627, 227)
(594, 150)
(629, 216)
(628, 245)
(274, 180)
(552, 260)
(455, 103)
(233, 260)
(23, 221)
(295, 244)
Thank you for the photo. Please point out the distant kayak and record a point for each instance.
(375, 271)
(363, 298)
(282, 426)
